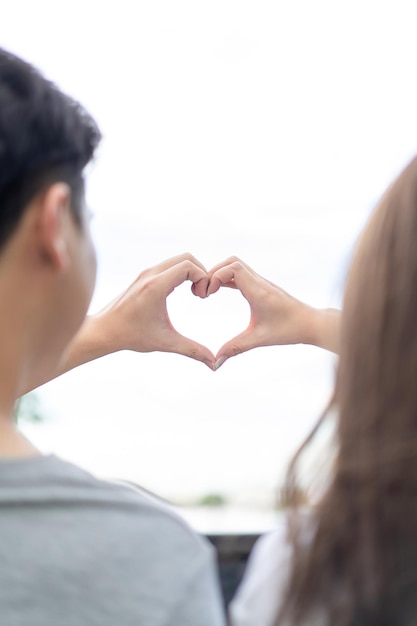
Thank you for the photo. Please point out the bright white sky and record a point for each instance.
(266, 129)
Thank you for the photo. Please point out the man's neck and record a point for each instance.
(13, 444)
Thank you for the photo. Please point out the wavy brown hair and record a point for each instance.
(361, 567)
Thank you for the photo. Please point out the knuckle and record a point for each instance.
(187, 265)
(192, 270)
(143, 274)
(189, 258)
(235, 350)
(149, 284)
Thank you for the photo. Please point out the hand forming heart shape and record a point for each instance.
(138, 319)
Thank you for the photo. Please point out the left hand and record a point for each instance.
(138, 319)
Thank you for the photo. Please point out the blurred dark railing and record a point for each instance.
(232, 548)
(232, 553)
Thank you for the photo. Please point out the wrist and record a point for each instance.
(309, 325)
(99, 337)
(322, 328)
(91, 342)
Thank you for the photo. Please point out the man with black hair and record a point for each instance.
(75, 550)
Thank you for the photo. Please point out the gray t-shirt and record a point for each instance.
(77, 551)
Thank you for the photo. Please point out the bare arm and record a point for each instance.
(138, 319)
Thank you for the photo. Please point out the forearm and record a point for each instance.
(90, 343)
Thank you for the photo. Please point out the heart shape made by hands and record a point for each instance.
(211, 321)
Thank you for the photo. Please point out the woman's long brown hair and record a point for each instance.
(361, 567)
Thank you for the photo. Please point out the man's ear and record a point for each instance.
(54, 211)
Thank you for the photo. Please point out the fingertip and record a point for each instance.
(195, 290)
(212, 287)
(220, 361)
(205, 356)
(200, 288)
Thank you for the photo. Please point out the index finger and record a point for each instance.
(175, 260)
(179, 273)
(237, 273)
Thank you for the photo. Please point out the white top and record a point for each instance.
(261, 593)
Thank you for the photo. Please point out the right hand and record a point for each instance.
(277, 318)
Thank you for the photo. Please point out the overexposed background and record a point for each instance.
(263, 129)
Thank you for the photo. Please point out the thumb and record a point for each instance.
(241, 343)
(194, 350)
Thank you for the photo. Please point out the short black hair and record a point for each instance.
(45, 137)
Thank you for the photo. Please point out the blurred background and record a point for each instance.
(262, 129)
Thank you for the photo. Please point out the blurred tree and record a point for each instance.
(212, 499)
(28, 409)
